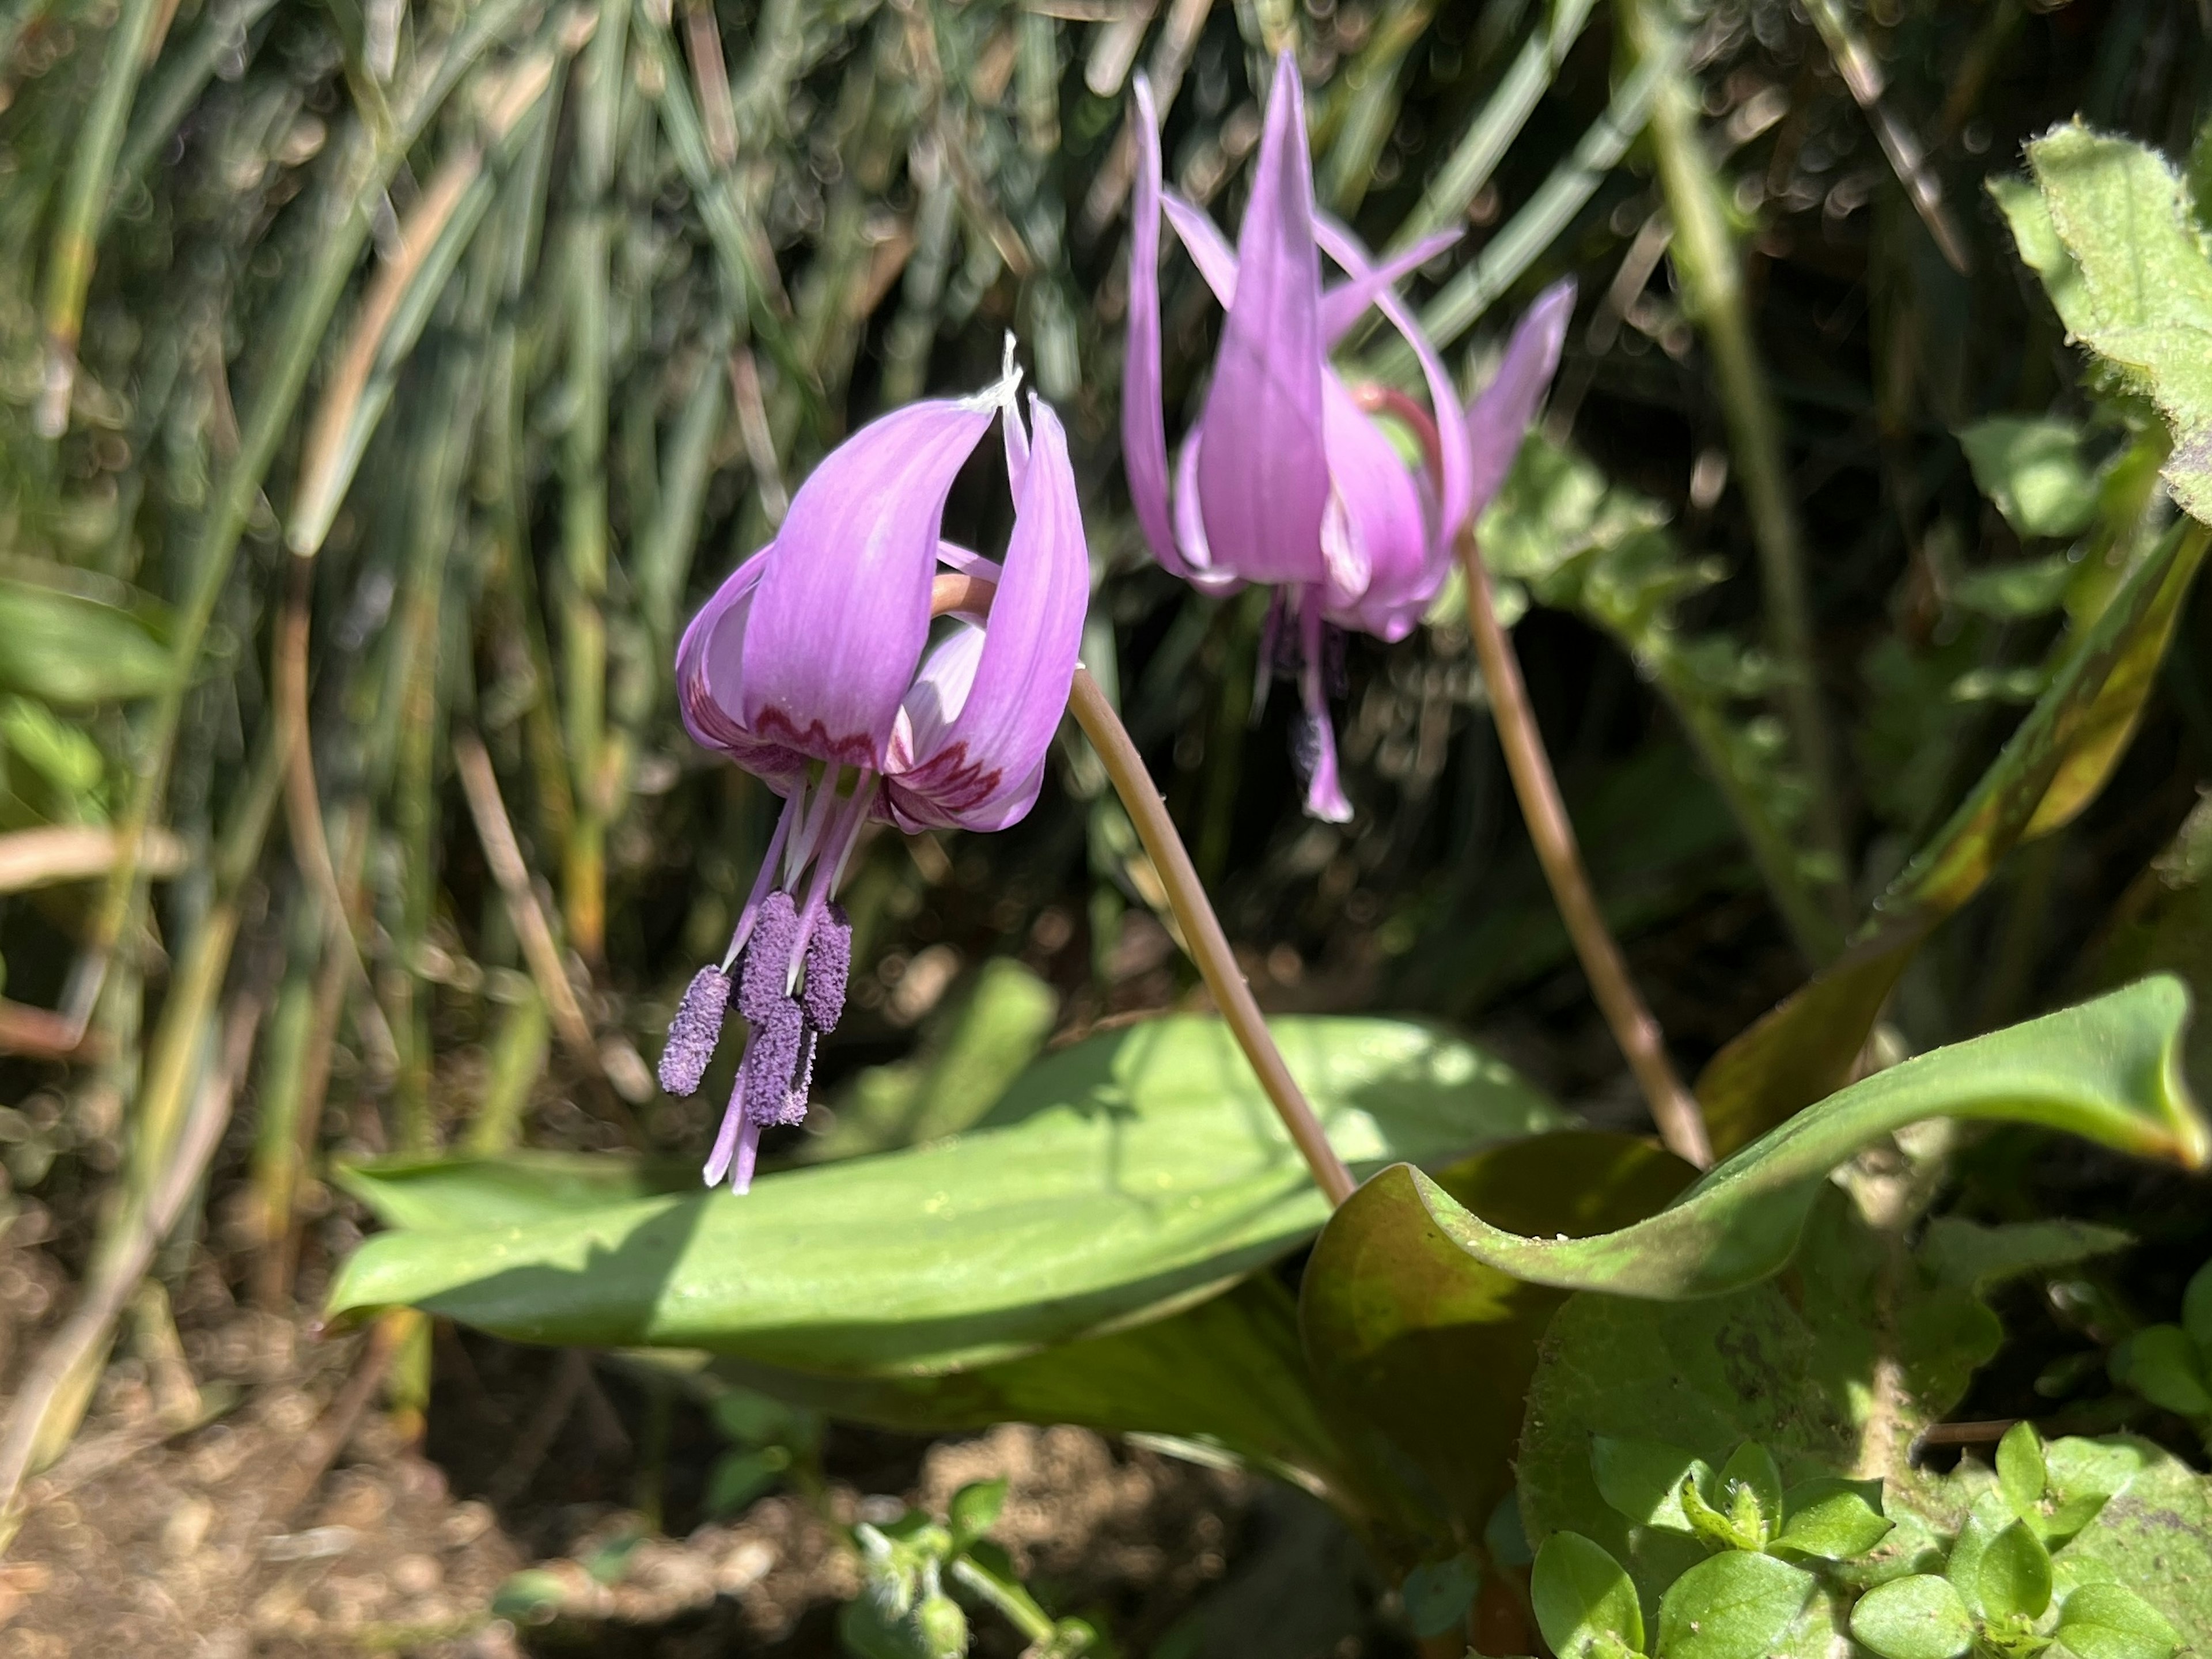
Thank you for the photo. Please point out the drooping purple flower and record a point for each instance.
(1286, 478)
(808, 668)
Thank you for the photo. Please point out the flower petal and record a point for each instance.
(1208, 248)
(1143, 418)
(1498, 419)
(973, 742)
(1262, 474)
(1325, 798)
(1190, 526)
(710, 681)
(1381, 500)
(842, 609)
(1344, 304)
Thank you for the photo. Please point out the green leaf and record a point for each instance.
(1837, 1364)
(2038, 471)
(974, 1511)
(2011, 1576)
(740, 1477)
(2107, 1070)
(2153, 1536)
(66, 648)
(2196, 1310)
(1582, 1600)
(1431, 1351)
(1644, 1479)
(1916, 1617)
(504, 1189)
(2165, 1367)
(2110, 1621)
(2011, 593)
(1735, 1606)
(2145, 282)
(1751, 1491)
(1437, 1594)
(1834, 1519)
(2052, 766)
(2021, 1473)
(1128, 1173)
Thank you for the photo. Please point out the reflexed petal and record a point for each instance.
(1344, 304)
(1143, 420)
(1209, 249)
(1456, 488)
(982, 722)
(1498, 419)
(1383, 502)
(710, 681)
(1262, 474)
(842, 609)
(1190, 526)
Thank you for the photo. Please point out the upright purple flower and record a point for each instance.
(807, 668)
(1286, 478)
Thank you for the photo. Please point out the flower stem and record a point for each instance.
(1672, 1107)
(1201, 929)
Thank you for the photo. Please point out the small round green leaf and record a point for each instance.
(2163, 1366)
(2021, 1473)
(1582, 1598)
(2110, 1621)
(974, 1510)
(2014, 1574)
(1736, 1606)
(1834, 1519)
(1916, 1617)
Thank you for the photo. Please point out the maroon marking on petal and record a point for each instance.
(852, 749)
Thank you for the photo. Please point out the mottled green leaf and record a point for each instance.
(2038, 471)
(2107, 1070)
(1432, 1350)
(1584, 1600)
(1917, 1617)
(1736, 1606)
(1124, 1174)
(2050, 769)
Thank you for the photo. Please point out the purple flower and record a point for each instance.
(1499, 418)
(812, 667)
(1287, 478)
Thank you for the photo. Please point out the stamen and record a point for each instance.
(726, 1140)
(772, 1059)
(762, 983)
(829, 966)
(794, 1102)
(694, 1032)
(765, 881)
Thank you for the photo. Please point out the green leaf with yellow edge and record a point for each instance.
(1119, 1178)
(2107, 1070)
(1433, 1350)
(2145, 282)
(2053, 765)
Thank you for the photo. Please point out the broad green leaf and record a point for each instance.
(2038, 471)
(1121, 1175)
(1834, 1367)
(2165, 1367)
(2111, 1621)
(1917, 1617)
(1644, 1479)
(1834, 1518)
(66, 648)
(1582, 1600)
(2053, 765)
(504, 1189)
(2012, 1575)
(2154, 1537)
(1736, 1606)
(970, 1058)
(2107, 1070)
(1433, 1350)
(2145, 282)
(2021, 1473)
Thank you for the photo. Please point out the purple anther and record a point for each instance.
(772, 1056)
(829, 965)
(794, 1102)
(694, 1032)
(765, 977)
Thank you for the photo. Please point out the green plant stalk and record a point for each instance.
(1013, 1600)
(1370, 98)
(584, 487)
(358, 177)
(277, 1164)
(519, 1053)
(84, 200)
(1704, 255)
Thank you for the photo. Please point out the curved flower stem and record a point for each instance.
(1672, 1107)
(1208, 945)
